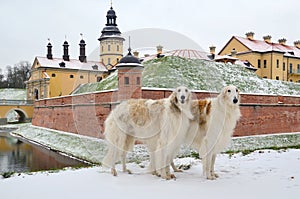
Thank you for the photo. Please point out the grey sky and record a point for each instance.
(26, 25)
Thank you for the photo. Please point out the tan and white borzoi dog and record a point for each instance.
(211, 130)
(160, 124)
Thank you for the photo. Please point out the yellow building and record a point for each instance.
(52, 77)
(273, 60)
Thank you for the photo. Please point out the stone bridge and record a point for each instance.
(23, 108)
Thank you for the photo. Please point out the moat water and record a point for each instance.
(20, 156)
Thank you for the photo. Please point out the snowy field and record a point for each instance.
(261, 174)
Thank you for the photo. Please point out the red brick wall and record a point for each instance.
(85, 114)
(268, 118)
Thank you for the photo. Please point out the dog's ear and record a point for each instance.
(173, 98)
(224, 91)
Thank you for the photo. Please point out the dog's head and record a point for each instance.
(181, 100)
(181, 95)
(231, 95)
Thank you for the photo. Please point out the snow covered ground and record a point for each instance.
(13, 94)
(261, 174)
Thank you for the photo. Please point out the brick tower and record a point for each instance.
(129, 77)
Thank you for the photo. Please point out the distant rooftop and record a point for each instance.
(72, 64)
(268, 46)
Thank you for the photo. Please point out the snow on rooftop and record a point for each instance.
(262, 46)
(72, 64)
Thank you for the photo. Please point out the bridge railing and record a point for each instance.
(15, 102)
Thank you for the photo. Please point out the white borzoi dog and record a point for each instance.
(160, 124)
(211, 130)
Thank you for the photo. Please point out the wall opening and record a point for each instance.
(16, 116)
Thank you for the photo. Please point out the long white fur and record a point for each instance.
(211, 130)
(161, 126)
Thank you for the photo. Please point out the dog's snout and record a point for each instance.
(235, 100)
(182, 98)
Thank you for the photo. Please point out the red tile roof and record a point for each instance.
(262, 46)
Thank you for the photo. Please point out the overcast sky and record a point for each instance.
(25, 25)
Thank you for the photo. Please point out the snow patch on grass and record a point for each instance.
(93, 150)
(170, 72)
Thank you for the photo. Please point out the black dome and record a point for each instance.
(111, 12)
(82, 41)
(129, 59)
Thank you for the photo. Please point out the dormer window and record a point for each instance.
(291, 52)
(95, 67)
(62, 64)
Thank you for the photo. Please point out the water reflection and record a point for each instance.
(18, 156)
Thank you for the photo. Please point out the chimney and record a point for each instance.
(66, 56)
(159, 49)
(233, 53)
(297, 43)
(282, 41)
(136, 54)
(267, 38)
(212, 50)
(250, 35)
(49, 50)
(82, 57)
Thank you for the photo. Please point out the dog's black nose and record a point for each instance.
(182, 98)
(235, 100)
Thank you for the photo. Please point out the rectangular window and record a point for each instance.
(138, 80)
(108, 47)
(265, 63)
(277, 63)
(108, 61)
(81, 76)
(258, 63)
(53, 75)
(283, 66)
(126, 80)
(118, 48)
(99, 79)
(291, 68)
(71, 76)
(298, 68)
(277, 77)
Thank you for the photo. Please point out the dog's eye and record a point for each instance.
(229, 91)
(186, 90)
(237, 90)
(179, 90)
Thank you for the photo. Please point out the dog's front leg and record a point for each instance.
(212, 166)
(123, 160)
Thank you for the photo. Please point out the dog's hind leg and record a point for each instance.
(175, 169)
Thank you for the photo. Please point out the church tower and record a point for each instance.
(111, 41)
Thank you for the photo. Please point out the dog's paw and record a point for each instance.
(114, 172)
(216, 175)
(127, 171)
(211, 177)
(178, 170)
